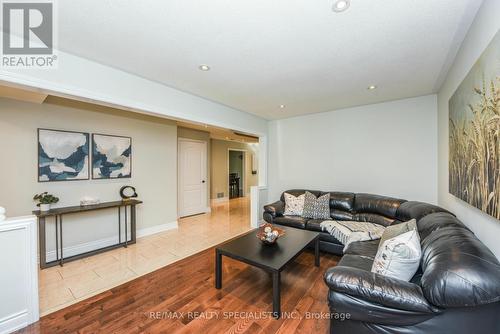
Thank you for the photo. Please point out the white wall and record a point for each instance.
(387, 148)
(154, 166)
(484, 27)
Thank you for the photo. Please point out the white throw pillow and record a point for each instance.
(294, 206)
(399, 257)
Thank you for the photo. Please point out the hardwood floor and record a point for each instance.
(181, 298)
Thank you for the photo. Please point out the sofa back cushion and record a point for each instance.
(457, 269)
(342, 201)
(417, 210)
(358, 207)
(375, 208)
(435, 221)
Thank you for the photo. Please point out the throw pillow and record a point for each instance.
(395, 230)
(294, 205)
(316, 208)
(399, 257)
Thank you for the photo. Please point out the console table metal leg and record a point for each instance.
(119, 225)
(132, 223)
(61, 236)
(126, 223)
(218, 270)
(57, 238)
(316, 252)
(276, 294)
(41, 236)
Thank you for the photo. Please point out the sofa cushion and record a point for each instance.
(292, 221)
(382, 205)
(365, 248)
(356, 261)
(435, 221)
(314, 225)
(342, 201)
(458, 270)
(413, 209)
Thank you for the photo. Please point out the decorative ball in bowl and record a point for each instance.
(269, 234)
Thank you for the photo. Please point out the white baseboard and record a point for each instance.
(219, 200)
(101, 243)
(143, 232)
(13, 322)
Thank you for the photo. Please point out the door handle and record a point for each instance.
(203, 181)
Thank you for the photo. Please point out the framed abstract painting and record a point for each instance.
(111, 157)
(62, 155)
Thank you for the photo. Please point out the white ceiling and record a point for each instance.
(264, 53)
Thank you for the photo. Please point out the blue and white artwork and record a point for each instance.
(111, 157)
(62, 155)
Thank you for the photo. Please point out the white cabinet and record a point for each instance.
(18, 273)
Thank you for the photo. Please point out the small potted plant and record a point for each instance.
(44, 200)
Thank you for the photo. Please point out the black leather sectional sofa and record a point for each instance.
(456, 289)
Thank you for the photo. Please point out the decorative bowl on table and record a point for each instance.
(269, 234)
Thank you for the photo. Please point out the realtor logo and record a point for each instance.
(28, 34)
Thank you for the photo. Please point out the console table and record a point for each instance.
(58, 215)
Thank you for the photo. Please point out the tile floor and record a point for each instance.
(62, 286)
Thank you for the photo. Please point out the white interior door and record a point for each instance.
(192, 173)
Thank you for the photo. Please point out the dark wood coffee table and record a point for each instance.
(272, 258)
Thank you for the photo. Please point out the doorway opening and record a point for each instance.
(236, 177)
(229, 169)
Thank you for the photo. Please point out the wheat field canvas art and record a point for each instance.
(474, 112)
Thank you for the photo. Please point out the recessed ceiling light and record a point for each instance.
(372, 87)
(341, 5)
(282, 106)
(204, 67)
